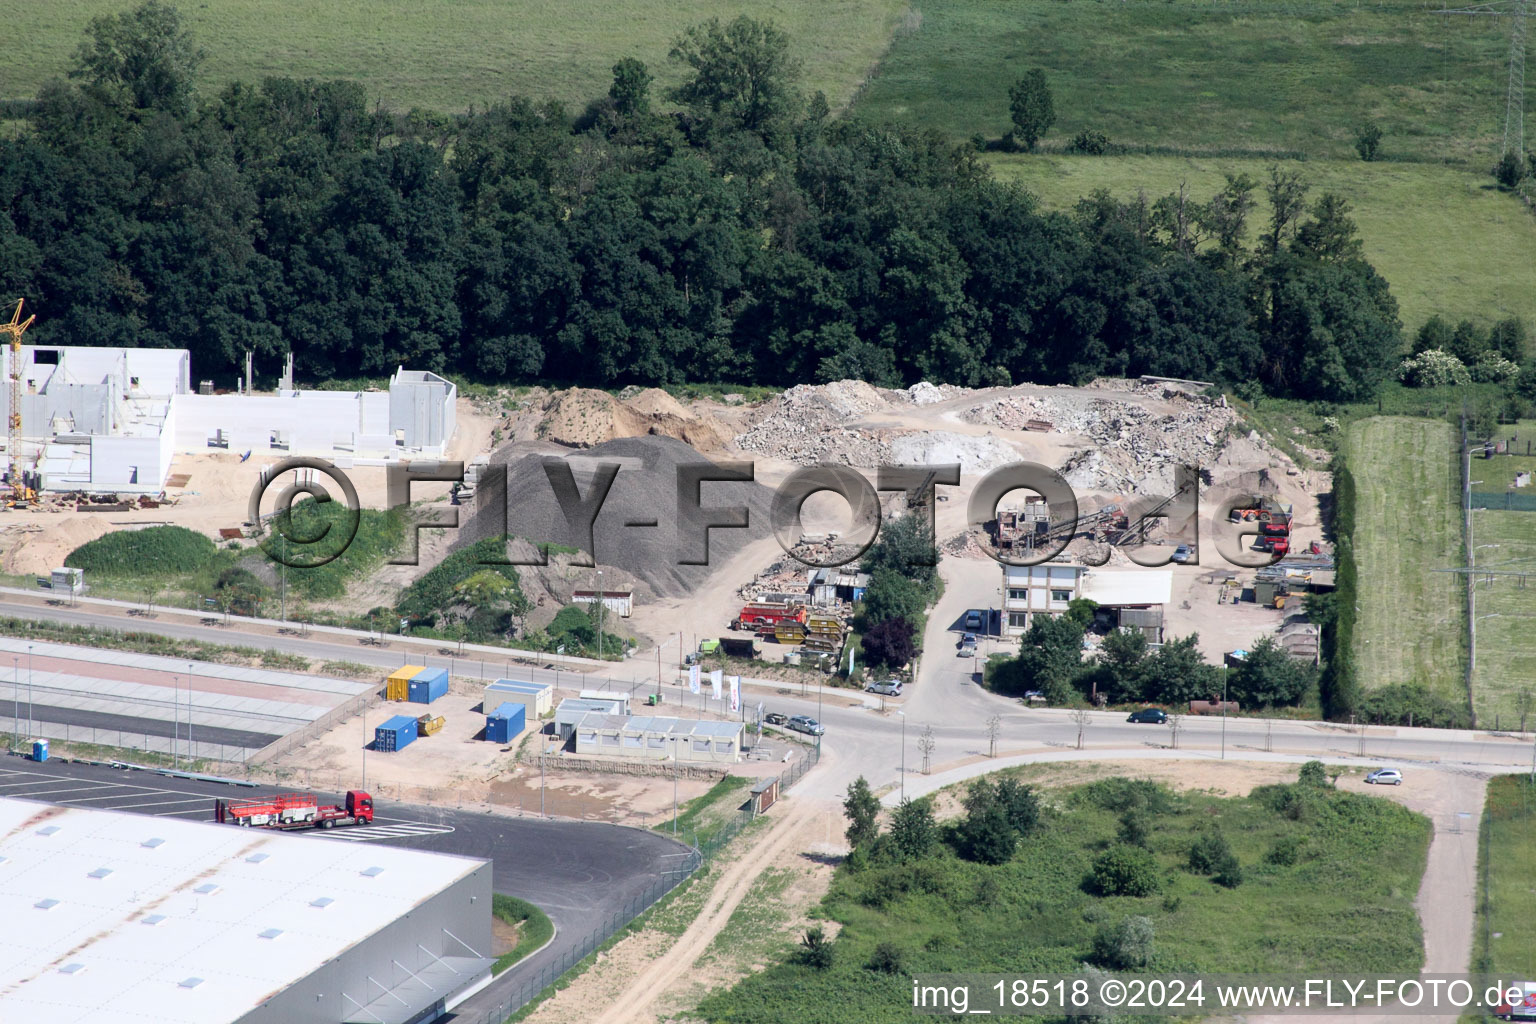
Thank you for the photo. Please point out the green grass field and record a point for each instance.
(1505, 610)
(448, 54)
(1444, 238)
(1508, 909)
(1411, 620)
(1189, 74)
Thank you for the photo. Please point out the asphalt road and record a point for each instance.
(579, 873)
(131, 724)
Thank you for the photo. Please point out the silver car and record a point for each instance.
(1385, 777)
(886, 688)
(805, 723)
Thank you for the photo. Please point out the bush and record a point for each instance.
(1492, 368)
(1089, 142)
(816, 949)
(1126, 946)
(1125, 871)
(1229, 873)
(1209, 851)
(1315, 774)
(1368, 140)
(1120, 794)
(1509, 170)
(1432, 369)
(1285, 852)
(886, 959)
(1135, 830)
(152, 552)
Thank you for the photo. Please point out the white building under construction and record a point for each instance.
(112, 419)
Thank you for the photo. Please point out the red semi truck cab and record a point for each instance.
(294, 810)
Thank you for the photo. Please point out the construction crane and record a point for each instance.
(16, 328)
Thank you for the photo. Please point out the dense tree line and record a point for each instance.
(729, 230)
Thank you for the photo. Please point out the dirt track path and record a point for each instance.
(783, 839)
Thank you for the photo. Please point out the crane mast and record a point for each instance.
(16, 328)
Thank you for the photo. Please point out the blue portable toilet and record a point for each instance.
(428, 685)
(396, 734)
(39, 750)
(505, 723)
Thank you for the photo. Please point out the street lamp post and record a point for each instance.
(190, 753)
(1223, 712)
(599, 615)
(903, 715)
(674, 790)
(16, 699)
(175, 721)
(30, 726)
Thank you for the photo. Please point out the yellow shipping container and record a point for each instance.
(398, 685)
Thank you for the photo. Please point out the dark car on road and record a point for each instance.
(1149, 716)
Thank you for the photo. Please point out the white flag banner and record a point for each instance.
(693, 679)
(715, 679)
(735, 693)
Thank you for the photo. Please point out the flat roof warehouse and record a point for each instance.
(116, 918)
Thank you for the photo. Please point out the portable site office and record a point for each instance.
(397, 685)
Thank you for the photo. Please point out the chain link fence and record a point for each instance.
(528, 989)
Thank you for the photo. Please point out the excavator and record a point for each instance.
(20, 494)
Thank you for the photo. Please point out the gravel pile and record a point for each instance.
(645, 489)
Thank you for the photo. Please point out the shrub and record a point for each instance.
(886, 958)
(1209, 852)
(1285, 852)
(816, 949)
(155, 551)
(1126, 946)
(1125, 871)
(1432, 369)
(1509, 170)
(1120, 794)
(1089, 142)
(1313, 773)
(1229, 873)
(1368, 140)
(1135, 830)
(1492, 368)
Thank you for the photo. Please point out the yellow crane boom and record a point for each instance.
(16, 328)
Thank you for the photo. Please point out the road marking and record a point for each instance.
(49, 792)
(366, 833)
(154, 803)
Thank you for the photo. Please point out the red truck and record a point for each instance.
(756, 616)
(294, 810)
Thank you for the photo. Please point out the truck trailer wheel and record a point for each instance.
(328, 822)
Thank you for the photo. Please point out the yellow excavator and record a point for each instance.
(21, 494)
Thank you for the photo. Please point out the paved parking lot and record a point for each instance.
(144, 797)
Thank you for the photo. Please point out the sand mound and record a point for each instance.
(644, 490)
(581, 418)
(656, 402)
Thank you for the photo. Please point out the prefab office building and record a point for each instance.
(660, 739)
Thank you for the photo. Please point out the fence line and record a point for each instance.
(550, 973)
(1502, 501)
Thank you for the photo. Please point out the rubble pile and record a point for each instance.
(1130, 449)
(976, 455)
(806, 425)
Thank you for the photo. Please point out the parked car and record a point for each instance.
(1385, 777)
(886, 687)
(968, 638)
(774, 718)
(1149, 716)
(807, 724)
(972, 620)
(1034, 697)
(966, 651)
(1183, 553)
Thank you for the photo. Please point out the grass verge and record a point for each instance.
(1506, 935)
(534, 928)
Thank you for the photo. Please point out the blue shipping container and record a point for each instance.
(426, 687)
(40, 750)
(396, 734)
(505, 723)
